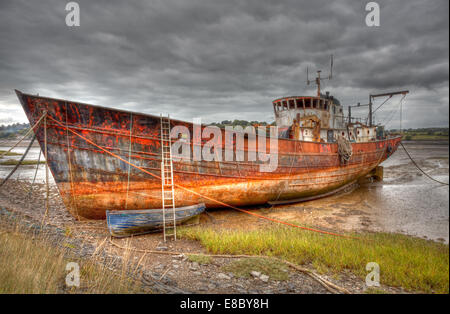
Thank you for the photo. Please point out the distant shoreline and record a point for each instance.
(427, 142)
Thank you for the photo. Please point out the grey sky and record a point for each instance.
(225, 59)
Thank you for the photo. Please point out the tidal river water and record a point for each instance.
(406, 201)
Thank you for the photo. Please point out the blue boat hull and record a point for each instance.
(124, 223)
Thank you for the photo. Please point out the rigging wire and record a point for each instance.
(19, 162)
(382, 104)
(393, 113)
(35, 174)
(26, 134)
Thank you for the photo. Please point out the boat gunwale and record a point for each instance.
(153, 211)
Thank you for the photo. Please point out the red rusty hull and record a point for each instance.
(91, 181)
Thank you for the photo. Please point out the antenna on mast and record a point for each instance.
(318, 78)
(331, 68)
(307, 76)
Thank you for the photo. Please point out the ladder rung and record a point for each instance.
(167, 195)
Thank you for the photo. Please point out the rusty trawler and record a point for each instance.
(108, 159)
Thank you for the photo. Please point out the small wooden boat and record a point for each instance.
(124, 223)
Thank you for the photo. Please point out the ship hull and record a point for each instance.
(92, 181)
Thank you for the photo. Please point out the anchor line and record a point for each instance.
(417, 166)
(19, 162)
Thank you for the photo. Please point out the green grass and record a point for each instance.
(375, 291)
(34, 266)
(8, 153)
(408, 262)
(412, 136)
(273, 268)
(12, 162)
(201, 259)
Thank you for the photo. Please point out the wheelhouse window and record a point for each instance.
(308, 103)
(291, 104)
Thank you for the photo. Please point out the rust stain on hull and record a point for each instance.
(92, 182)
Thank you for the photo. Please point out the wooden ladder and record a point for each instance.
(167, 189)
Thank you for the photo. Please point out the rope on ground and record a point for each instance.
(198, 194)
(19, 162)
(417, 166)
(333, 288)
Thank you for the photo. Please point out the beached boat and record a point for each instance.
(310, 159)
(123, 223)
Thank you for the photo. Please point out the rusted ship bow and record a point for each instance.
(91, 181)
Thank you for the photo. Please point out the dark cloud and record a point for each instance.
(224, 59)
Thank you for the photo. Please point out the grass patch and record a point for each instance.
(198, 258)
(271, 267)
(68, 232)
(8, 153)
(34, 266)
(375, 291)
(408, 262)
(425, 136)
(12, 162)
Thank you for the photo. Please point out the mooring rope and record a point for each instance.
(35, 175)
(198, 194)
(417, 166)
(26, 134)
(19, 162)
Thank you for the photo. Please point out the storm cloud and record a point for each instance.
(225, 59)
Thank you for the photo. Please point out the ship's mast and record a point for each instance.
(318, 78)
(318, 83)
